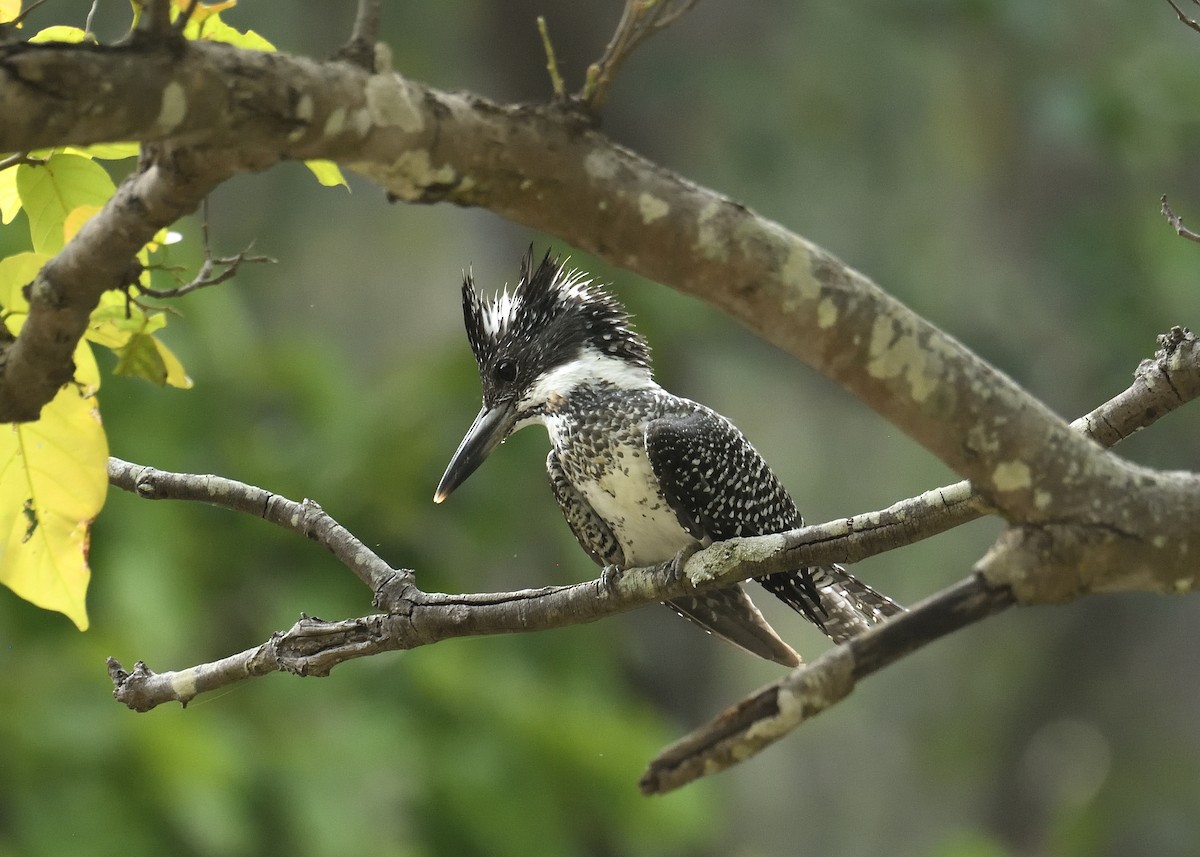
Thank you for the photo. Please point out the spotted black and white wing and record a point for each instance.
(720, 488)
(726, 612)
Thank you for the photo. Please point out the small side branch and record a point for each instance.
(556, 81)
(305, 518)
(640, 20)
(1172, 218)
(213, 271)
(360, 48)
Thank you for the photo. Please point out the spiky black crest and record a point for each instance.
(552, 316)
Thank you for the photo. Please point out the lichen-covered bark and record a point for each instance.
(209, 111)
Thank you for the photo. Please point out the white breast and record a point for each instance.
(627, 497)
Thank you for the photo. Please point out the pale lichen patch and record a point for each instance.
(304, 108)
(335, 122)
(600, 165)
(173, 107)
(1012, 476)
(652, 208)
(1042, 500)
(709, 563)
(797, 271)
(412, 172)
(390, 104)
(708, 236)
(827, 313)
(183, 685)
(895, 352)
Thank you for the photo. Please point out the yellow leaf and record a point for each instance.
(60, 33)
(108, 325)
(176, 376)
(76, 218)
(53, 480)
(16, 272)
(203, 10)
(9, 9)
(328, 173)
(10, 199)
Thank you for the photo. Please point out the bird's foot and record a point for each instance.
(674, 567)
(609, 575)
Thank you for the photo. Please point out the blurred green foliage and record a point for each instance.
(995, 164)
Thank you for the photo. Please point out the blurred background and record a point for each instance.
(996, 165)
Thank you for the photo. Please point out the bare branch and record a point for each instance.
(744, 729)
(640, 20)
(208, 275)
(305, 518)
(1176, 221)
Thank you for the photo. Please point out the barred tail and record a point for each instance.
(851, 606)
(831, 598)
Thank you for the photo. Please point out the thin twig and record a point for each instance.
(360, 48)
(181, 22)
(1184, 18)
(19, 158)
(640, 19)
(206, 276)
(556, 81)
(1177, 222)
(20, 19)
(91, 16)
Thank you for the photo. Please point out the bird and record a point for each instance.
(642, 476)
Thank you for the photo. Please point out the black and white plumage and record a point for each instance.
(640, 474)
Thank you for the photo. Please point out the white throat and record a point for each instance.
(589, 368)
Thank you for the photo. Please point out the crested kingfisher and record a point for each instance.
(643, 476)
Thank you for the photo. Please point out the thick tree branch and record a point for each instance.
(543, 167)
(414, 618)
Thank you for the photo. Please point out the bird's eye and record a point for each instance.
(506, 371)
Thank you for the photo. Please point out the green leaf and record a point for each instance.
(328, 173)
(139, 358)
(106, 151)
(53, 190)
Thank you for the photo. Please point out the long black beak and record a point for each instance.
(485, 434)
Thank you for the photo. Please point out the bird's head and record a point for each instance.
(535, 346)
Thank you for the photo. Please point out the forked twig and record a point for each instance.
(639, 20)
